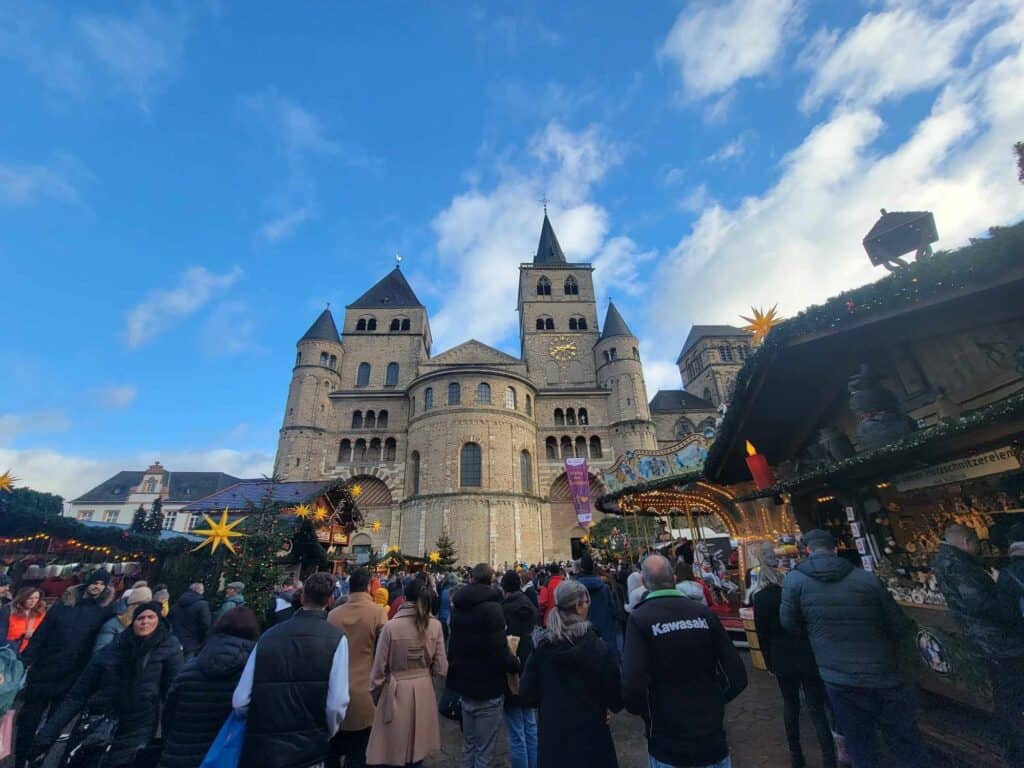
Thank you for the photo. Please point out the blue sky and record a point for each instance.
(183, 186)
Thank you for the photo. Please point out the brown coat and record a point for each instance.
(361, 620)
(405, 726)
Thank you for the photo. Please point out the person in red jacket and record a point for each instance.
(547, 592)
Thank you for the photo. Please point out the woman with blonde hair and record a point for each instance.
(571, 678)
(410, 650)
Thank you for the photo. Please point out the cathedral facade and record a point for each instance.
(471, 442)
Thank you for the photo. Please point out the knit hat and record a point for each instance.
(140, 595)
(380, 597)
(100, 574)
(150, 606)
(236, 585)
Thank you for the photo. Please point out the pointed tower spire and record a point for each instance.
(614, 325)
(393, 290)
(323, 329)
(548, 249)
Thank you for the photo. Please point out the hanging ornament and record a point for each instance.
(435, 556)
(7, 481)
(219, 533)
(356, 491)
(762, 322)
(320, 513)
(301, 511)
(376, 526)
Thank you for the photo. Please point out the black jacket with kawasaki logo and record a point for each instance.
(679, 669)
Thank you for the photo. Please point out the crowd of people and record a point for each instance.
(344, 670)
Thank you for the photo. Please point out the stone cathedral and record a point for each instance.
(471, 441)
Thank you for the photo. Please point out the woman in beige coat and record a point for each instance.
(411, 648)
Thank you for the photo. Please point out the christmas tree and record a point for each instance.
(155, 519)
(256, 563)
(139, 520)
(446, 554)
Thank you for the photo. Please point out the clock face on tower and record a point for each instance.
(563, 348)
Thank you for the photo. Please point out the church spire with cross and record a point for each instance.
(548, 249)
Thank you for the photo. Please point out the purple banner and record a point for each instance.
(579, 489)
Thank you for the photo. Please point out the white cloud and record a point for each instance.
(716, 44)
(904, 48)
(162, 308)
(673, 177)
(617, 269)
(483, 235)
(26, 184)
(799, 241)
(49, 470)
(229, 330)
(116, 397)
(284, 226)
(15, 425)
(697, 199)
(729, 151)
(659, 374)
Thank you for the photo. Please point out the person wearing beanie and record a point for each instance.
(60, 650)
(233, 598)
(380, 597)
(115, 625)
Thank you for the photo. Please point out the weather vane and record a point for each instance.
(398, 261)
(544, 200)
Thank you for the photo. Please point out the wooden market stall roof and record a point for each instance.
(801, 369)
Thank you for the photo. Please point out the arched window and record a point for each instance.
(428, 398)
(323, 358)
(361, 324)
(483, 393)
(370, 422)
(551, 449)
(540, 323)
(582, 413)
(395, 324)
(570, 416)
(298, 359)
(572, 323)
(725, 353)
(566, 447)
(581, 324)
(510, 399)
(613, 354)
(549, 324)
(360, 453)
(572, 288)
(357, 420)
(607, 357)
(595, 448)
(371, 324)
(529, 406)
(581, 447)
(345, 451)
(412, 406)
(543, 287)
(636, 353)
(526, 471)
(382, 420)
(414, 472)
(454, 393)
(374, 454)
(559, 418)
(405, 324)
(390, 449)
(363, 375)
(707, 393)
(391, 375)
(683, 428)
(334, 362)
(469, 466)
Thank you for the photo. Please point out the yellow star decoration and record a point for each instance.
(7, 481)
(762, 322)
(320, 513)
(435, 556)
(376, 526)
(302, 511)
(219, 533)
(357, 491)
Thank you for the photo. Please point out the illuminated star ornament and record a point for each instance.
(357, 491)
(7, 481)
(320, 513)
(302, 511)
(762, 322)
(435, 556)
(219, 533)
(376, 526)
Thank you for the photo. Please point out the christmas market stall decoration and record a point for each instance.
(886, 414)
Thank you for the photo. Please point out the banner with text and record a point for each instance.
(579, 489)
(958, 470)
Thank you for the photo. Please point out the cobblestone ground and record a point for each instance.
(753, 722)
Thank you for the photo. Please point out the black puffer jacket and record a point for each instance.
(1010, 587)
(61, 647)
(190, 621)
(852, 621)
(520, 620)
(478, 654)
(88, 693)
(200, 700)
(971, 594)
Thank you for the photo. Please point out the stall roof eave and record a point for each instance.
(608, 503)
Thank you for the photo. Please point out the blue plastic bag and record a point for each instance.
(226, 750)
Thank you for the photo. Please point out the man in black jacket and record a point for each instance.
(478, 660)
(190, 619)
(294, 688)
(674, 644)
(60, 650)
(520, 621)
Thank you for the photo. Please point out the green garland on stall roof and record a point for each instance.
(945, 273)
(905, 449)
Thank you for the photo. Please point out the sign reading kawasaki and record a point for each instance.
(990, 463)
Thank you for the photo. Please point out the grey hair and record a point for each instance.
(564, 623)
(657, 573)
(959, 533)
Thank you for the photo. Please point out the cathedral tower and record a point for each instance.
(308, 414)
(557, 316)
(617, 359)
